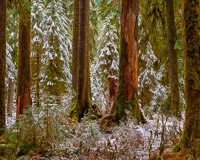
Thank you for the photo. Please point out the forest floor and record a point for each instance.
(88, 140)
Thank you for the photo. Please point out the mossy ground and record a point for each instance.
(77, 112)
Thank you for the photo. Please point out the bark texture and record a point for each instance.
(113, 84)
(3, 7)
(127, 101)
(24, 75)
(75, 45)
(83, 99)
(191, 133)
(10, 95)
(173, 63)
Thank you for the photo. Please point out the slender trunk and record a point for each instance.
(83, 83)
(127, 98)
(3, 7)
(191, 133)
(10, 95)
(173, 64)
(24, 77)
(75, 45)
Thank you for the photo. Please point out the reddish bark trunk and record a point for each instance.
(130, 48)
(24, 75)
(127, 92)
(113, 84)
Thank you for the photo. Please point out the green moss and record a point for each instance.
(7, 150)
(115, 116)
(159, 158)
(75, 112)
(3, 149)
(3, 141)
(191, 136)
(25, 148)
(176, 148)
(126, 109)
(95, 110)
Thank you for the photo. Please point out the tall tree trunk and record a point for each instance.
(10, 94)
(83, 100)
(173, 64)
(24, 77)
(3, 7)
(191, 133)
(83, 84)
(75, 45)
(127, 98)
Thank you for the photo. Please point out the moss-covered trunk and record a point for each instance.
(75, 45)
(23, 76)
(127, 101)
(83, 103)
(3, 7)
(191, 133)
(173, 63)
(10, 95)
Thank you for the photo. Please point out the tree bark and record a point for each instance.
(83, 85)
(3, 8)
(75, 45)
(191, 133)
(83, 100)
(113, 84)
(83, 103)
(10, 95)
(173, 63)
(24, 75)
(127, 98)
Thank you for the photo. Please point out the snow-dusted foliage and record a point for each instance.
(57, 38)
(151, 79)
(37, 16)
(106, 65)
(108, 49)
(37, 51)
(11, 67)
(99, 95)
(51, 45)
(12, 42)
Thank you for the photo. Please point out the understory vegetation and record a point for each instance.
(47, 133)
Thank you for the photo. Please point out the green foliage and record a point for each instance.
(40, 129)
(176, 148)
(51, 58)
(6, 150)
(159, 158)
